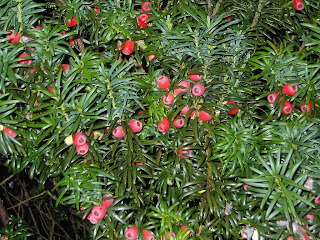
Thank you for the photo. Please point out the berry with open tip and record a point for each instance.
(305, 107)
(163, 82)
(183, 152)
(83, 149)
(168, 99)
(79, 139)
(272, 97)
(204, 116)
(289, 90)
(142, 20)
(99, 212)
(185, 87)
(131, 233)
(198, 90)
(178, 122)
(298, 5)
(233, 111)
(135, 125)
(164, 125)
(147, 235)
(145, 7)
(118, 132)
(287, 108)
(108, 202)
(14, 37)
(92, 219)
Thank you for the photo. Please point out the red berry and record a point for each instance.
(307, 107)
(92, 219)
(108, 202)
(310, 217)
(194, 77)
(13, 37)
(233, 111)
(164, 125)
(66, 67)
(245, 187)
(63, 32)
(184, 229)
(135, 125)
(168, 99)
(163, 82)
(171, 234)
(178, 122)
(71, 42)
(33, 70)
(142, 19)
(186, 109)
(51, 88)
(79, 139)
(139, 163)
(96, 9)
(147, 235)
(317, 200)
(128, 47)
(118, 132)
(229, 18)
(290, 238)
(198, 90)
(298, 5)
(272, 97)
(72, 22)
(145, 7)
(83, 149)
(287, 107)
(183, 152)
(131, 233)
(185, 85)
(204, 116)
(151, 56)
(99, 212)
(288, 90)
(27, 61)
(9, 132)
(38, 27)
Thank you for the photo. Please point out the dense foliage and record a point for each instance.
(246, 170)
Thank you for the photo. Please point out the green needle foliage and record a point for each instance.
(242, 171)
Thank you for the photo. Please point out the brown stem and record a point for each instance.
(7, 179)
(3, 214)
(80, 44)
(40, 194)
(216, 9)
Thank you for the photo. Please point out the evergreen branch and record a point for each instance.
(258, 12)
(216, 9)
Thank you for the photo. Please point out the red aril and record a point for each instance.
(108, 202)
(135, 125)
(142, 20)
(164, 125)
(72, 22)
(27, 61)
(183, 152)
(128, 47)
(204, 116)
(186, 109)
(118, 132)
(168, 99)
(245, 187)
(290, 90)
(287, 108)
(163, 82)
(147, 235)
(83, 149)
(307, 107)
(71, 42)
(96, 9)
(185, 87)
(79, 139)
(194, 77)
(151, 56)
(92, 219)
(272, 97)
(99, 212)
(298, 5)
(233, 111)
(9, 132)
(38, 27)
(65, 67)
(145, 7)
(13, 37)
(171, 234)
(178, 122)
(198, 90)
(131, 233)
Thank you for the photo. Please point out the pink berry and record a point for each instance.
(204, 116)
(307, 107)
(288, 90)
(92, 219)
(135, 125)
(185, 85)
(287, 108)
(178, 122)
(245, 187)
(186, 109)
(233, 111)
(14, 37)
(108, 202)
(298, 5)
(9, 132)
(131, 233)
(310, 217)
(83, 149)
(128, 47)
(198, 90)
(163, 82)
(317, 200)
(147, 235)
(151, 56)
(290, 238)
(145, 7)
(25, 61)
(118, 132)
(164, 125)
(96, 9)
(72, 22)
(183, 152)
(171, 234)
(194, 77)
(139, 163)
(99, 212)
(184, 228)
(65, 67)
(168, 99)
(272, 97)
(143, 20)
(38, 27)
(79, 139)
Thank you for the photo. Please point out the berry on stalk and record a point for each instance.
(108, 202)
(147, 235)
(178, 122)
(183, 152)
(168, 99)
(272, 97)
(99, 212)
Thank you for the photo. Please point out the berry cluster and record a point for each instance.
(135, 125)
(99, 211)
